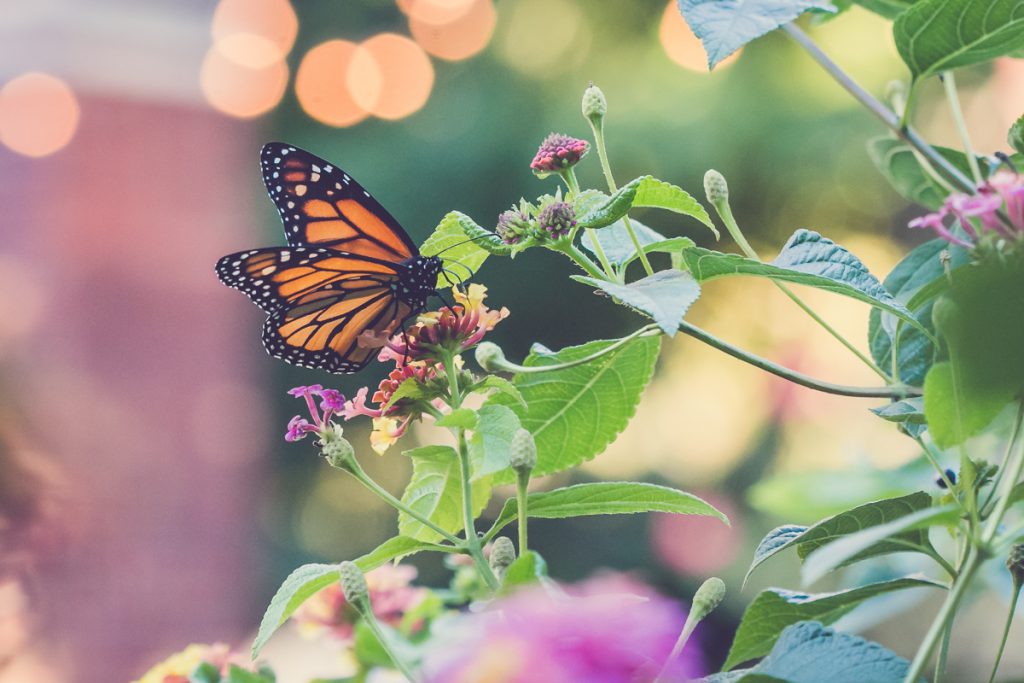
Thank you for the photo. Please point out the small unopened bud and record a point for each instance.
(715, 187)
(503, 554)
(595, 106)
(490, 357)
(522, 451)
(353, 585)
(336, 449)
(707, 598)
(1015, 563)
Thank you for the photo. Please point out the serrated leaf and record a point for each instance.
(500, 385)
(952, 421)
(459, 255)
(938, 35)
(490, 444)
(1015, 136)
(435, 492)
(618, 245)
(868, 515)
(664, 297)
(808, 652)
(908, 413)
(855, 546)
(605, 498)
(775, 609)
(725, 26)
(896, 161)
(806, 259)
(411, 389)
(645, 191)
(459, 417)
(574, 413)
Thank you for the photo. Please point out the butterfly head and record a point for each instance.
(419, 280)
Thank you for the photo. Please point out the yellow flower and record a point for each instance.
(185, 662)
(386, 431)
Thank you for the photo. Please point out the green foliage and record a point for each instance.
(869, 515)
(808, 652)
(955, 412)
(938, 35)
(492, 437)
(435, 492)
(528, 568)
(899, 164)
(492, 384)
(664, 297)
(1015, 136)
(890, 9)
(775, 609)
(450, 236)
(908, 413)
(574, 413)
(464, 418)
(618, 245)
(645, 191)
(605, 498)
(725, 26)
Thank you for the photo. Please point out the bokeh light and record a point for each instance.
(39, 114)
(241, 90)
(261, 30)
(458, 39)
(436, 11)
(543, 37)
(390, 76)
(321, 84)
(682, 46)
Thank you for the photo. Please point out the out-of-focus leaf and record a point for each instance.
(664, 297)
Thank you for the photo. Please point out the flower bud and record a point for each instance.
(707, 598)
(1015, 563)
(595, 106)
(556, 220)
(715, 187)
(503, 554)
(490, 357)
(513, 226)
(522, 451)
(353, 585)
(557, 153)
(336, 449)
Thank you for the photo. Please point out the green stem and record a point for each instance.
(677, 649)
(403, 667)
(938, 468)
(569, 176)
(573, 252)
(940, 666)
(606, 168)
(522, 481)
(1006, 631)
(961, 125)
(895, 391)
(646, 330)
(1013, 466)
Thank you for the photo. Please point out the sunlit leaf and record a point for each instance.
(435, 492)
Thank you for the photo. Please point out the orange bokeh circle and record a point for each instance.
(321, 84)
(458, 39)
(39, 114)
(238, 23)
(435, 11)
(681, 46)
(240, 90)
(390, 76)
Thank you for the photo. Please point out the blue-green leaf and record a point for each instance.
(664, 297)
(618, 245)
(899, 164)
(908, 413)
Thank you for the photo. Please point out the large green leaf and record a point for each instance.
(725, 26)
(808, 652)
(855, 546)
(664, 297)
(645, 191)
(574, 413)
(491, 440)
(775, 609)
(461, 256)
(435, 492)
(896, 161)
(618, 245)
(868, 515)
(806, 259)
(1015, 136)
(938, 35)
(890, 9)
(606, 498)
(954, 412)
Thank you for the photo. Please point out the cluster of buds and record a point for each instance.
(556, 220)
(557, 153)
(514, 226)
(995, 214)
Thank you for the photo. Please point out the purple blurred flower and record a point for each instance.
(979, 214)
(610, 630)
(558, 152)
(331, 402)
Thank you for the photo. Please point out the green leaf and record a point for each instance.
(450, 236)
(890, 9)
(410, 389)
(396, 547)
(1016, 135)
(204, 673)
(435, 492)
(528, 568)
(868, 515)
(908, 413)
(938, 35)
(806, 259)
(618, 245)
(574, 413)
(951, 422)
(807, 652)
(491, 440)
(664, 297)
(459, 417)
(237, 674)
(896, 161)
(725, 26)
(775, 609)
(605, 498)
(645, 191)
(493, 384)
(865, 543)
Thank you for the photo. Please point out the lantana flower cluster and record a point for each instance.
(552, 219)
(179, 667)
(995, 212)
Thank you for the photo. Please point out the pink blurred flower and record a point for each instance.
(979, 214)
(392, 595)
(558, 152)
(610, 630)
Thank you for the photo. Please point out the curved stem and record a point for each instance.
(949, 83)
(1013, 465)
(522, 481)
(1006, 631)
(573, 252)
(403, 667)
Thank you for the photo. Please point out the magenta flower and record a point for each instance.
(331, 403)
(557, 153)
(979, 215)
(610, 630)
(513, 226)
(557, 219)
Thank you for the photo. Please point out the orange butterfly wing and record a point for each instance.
(322, 206)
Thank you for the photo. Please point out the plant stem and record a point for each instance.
(569, 176)
(938, 468)
(371, 620)
(1006, 631)
(363, 478)
(646, 330)
(958, 117)
(606, 168)
(895, 391)
(573, 252)
(940, 666)
(522, 481)
(677, 649)
(887, 116)
(1012, 466)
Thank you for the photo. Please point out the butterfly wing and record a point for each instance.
(322, 206)
(320, 301)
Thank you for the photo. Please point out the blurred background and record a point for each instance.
(147, 499)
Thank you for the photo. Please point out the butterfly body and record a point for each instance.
(349, 269)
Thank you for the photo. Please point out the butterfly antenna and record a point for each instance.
(437, 293)
(485, 236)
(460, 282)
(469, 271)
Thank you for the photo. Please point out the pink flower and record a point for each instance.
(331, 402)
(610, 630)
(392, 595)
(997, 208)
(557, 219)
(558, 152)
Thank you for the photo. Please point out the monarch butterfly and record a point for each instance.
(349, 267)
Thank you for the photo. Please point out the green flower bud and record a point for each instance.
(490, 357)
(522, 451)
(715, 187)
(503, 554)
(1015, 563)
(353, 585)
(336, 449)
(595, 106)
(707, 598)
